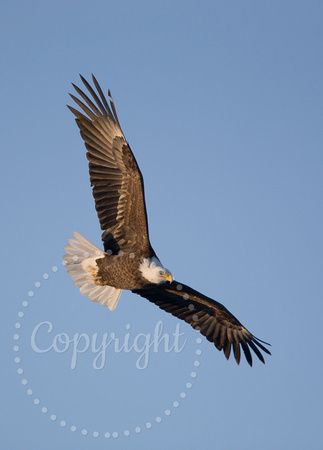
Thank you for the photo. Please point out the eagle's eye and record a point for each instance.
(161, 272)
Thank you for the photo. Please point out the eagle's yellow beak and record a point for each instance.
(168, 277)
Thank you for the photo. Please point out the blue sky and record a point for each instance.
(221, 103)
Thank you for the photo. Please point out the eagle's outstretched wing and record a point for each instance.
(117, 182)
(209, 317)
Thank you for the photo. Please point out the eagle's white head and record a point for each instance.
(153, 270)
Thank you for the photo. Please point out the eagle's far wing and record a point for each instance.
(209, 317)
(117, 182)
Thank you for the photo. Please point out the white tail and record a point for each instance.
(81, 265)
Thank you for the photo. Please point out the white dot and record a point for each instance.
(17, 360)
(24, 382)
(74, 258)
(44, 410)
(29, 392)
(182, 395)
(175, 404)
(36, 401)
(190, 307)
(25, 303)
(73, 428)
(115, 434)
(197, 328)
(126, 433)
(167, 412)
(198, 340)
(158, 419)
(64, 263)
(21, 314)
(54, 269)
(37, 284)
(16, 348)
(131, 255)
(128, 326)
(84, 432)
(18, 325)
(189, 385)
(86, 254)
(20, 371)
(138, 430)
(195, 317)
(107, 435)
(196, 363)
(148, 425)
(179, 287)
(109, 252)
(198, 352)
(193, 374)
(62, 423)
(45, 276)
(16, 337)
(120, 253)
(31, 293)
(53, 417)
(186, 296)
(96, 434)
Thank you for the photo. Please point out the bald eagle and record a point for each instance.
(128, 260)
